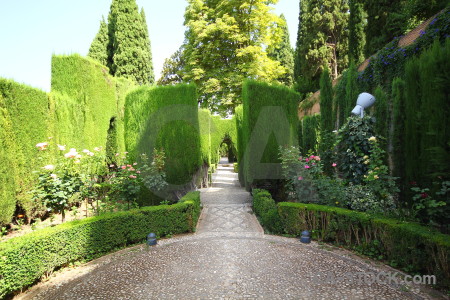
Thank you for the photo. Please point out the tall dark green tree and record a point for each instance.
(357, 37)
(128, 52)
(284, 53)
(99, 46)
(172, 71)
(326, 120)
(351, 92)
(322, 40)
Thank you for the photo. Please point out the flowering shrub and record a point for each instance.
(428, 208)
(70, 174)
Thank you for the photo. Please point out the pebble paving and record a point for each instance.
(228, 257)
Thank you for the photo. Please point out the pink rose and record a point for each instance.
(300, 178)
(306, 167)
(334, 165)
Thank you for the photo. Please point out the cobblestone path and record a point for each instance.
(229, 257)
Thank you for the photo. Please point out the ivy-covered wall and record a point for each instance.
(269, 121)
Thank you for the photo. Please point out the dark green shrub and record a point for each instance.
(27, 258)
(310, 134)
(269, 121)
(404, 245)
(266, 209)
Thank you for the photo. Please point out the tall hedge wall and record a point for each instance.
(221, 129)
(269, 121)
(204, 120)
(165, 117)
(24, 118)
(239, 119)
(84, 90)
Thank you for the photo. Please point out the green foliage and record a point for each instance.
(239, 118)
(310, 133)
(266, 210)
(7, 171)
(205, 122)
(99, 47)
(357, 38)
(353, 147)
(322, 39)
(223, 131)
(284, 53)
(84, 101)
(25, 117)
(381, 113)
(326, 120)
(123, 44)
(351, 90)
(173, 69)
(225, 42)
(165, 118)
(404, 245)
(27, 258)
(398, 134)
(269, 121)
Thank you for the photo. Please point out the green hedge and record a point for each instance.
(204, 120)
(25, 116)
(85, 101)
(266, 210)
(269, 121)
(222, 129)
(25, 259)
(165, 117)
(310, 134)
(405, 245)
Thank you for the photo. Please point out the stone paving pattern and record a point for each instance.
(229, 257)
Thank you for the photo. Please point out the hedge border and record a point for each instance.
(410, 246)
(25, 259)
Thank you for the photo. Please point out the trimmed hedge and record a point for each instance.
(221, 129)
(204, 121)
(266, 210)
(85, 101)
(165, 117)
(24, 119)
(269, 121)
(25, 259)
(405, 245)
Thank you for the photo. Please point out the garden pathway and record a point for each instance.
(229, 257)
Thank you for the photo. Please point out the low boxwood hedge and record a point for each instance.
(266, 210)
(25, 259)
(405, 245)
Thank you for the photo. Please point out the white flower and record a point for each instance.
(78, 156)
(62, 147)
(49, 167)
(72, 153)
(372, 139)
(54, 176)
(90, 153)
(86, 151)
(97, 149)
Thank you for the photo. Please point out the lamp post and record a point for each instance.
(365, 100)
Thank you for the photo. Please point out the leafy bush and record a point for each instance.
(266, 209)
(415, 248)
(25, 259)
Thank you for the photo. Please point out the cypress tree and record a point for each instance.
(146, 43)
(284, 53)
(299, 56)
(99, 46)
(357, 38)
(123, 44)
(326, 119)
(351, 91)
(398, 133)
(381, 113)
(326, 102)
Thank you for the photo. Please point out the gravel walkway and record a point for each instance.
(229, 257)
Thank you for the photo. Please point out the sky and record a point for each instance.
(31, 31)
